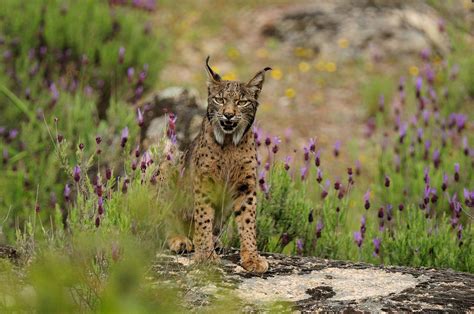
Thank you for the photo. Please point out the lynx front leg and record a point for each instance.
(245, 207)
(203, 222)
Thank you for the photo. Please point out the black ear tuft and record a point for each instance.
(214, 77)
(266, 69)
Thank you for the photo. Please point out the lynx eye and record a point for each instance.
(218, 101)
(243, 103)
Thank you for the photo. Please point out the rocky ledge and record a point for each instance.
(309, 284)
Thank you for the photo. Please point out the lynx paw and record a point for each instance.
(254, 263)
(180, 244)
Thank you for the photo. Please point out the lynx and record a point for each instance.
(223, 157)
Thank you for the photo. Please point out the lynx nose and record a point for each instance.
(229, 115)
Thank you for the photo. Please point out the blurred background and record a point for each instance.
(87, 88)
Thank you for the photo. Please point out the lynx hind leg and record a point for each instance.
(180, 244)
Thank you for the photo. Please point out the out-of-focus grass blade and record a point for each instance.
(17, 102)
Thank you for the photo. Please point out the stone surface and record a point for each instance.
(310, 284)
(184, 103)
(348, 30)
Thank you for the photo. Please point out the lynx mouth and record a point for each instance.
(228, 126)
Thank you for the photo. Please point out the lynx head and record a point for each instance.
(232, 105)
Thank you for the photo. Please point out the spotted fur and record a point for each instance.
(223, 157)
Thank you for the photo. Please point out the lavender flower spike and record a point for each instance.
(77, 173)
(124, 138)
(376, 242)
(358, 238)
(367, 199)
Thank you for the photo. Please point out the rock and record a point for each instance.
(184, 103)
(347, 30)
(310, 284)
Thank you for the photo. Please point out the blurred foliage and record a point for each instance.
(88, 238)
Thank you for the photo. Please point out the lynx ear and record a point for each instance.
(255, 84)
(212, 76)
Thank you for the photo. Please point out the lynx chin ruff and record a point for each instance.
(224, 155)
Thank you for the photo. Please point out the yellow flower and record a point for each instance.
(331, 67)
(303, 52)
(437, 60)
(262, 53)
(229, 76)
(413, 70)
(290, 92)
(362, 158)
(233, 53)
(276, 73)
(343, 43)
(304, 66)
(319, 66)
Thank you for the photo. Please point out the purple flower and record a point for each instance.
(261, 181)
(100, 206)
(403, 132)
(108, 173)
(319, 177)
(387, 181)
(98, 140)
(380, 213)
(363, 228)
(459, 235)
(465, 146)
(140, 118)
(287, 162)
(268, 141)
(444, 186)
(367, 199)
(426, 197)
(426, 176)
(376, 242)
(425, 54)
(469, 197)
(441, 25)
(130, 74)
(304, 172)
(401, 207)
(312, 145)
(124, 138)
(337, 148)
(276, 142)
(299, 246)
(429, 73)
(436, 158)
(426, 117)
(77, 173)
(121, 54)
(12, 134)
(146, 161)
(306, 154)
(317, 160)
(67, 193)
(284, 239)
(419, 134)
(418, 85)
(324, 193)
(97, 222)
(54, 94)
(357, 167)
(456, 172)
(358, 238)
(389, 208)
(319, 228)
